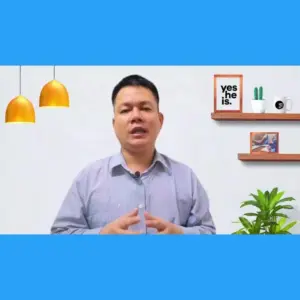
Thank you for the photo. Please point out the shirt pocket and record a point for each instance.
(98, 209)
(162, 202)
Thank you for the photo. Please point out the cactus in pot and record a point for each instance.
(260, 93)
(255, 93)
(258, 102)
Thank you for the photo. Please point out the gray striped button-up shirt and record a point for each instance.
(106, 189)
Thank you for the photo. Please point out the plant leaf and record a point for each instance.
(277, 208)
(257, 226)
(264, 215)
(286, 199)
(269, 223)
(273, 193)
(289, 226)
(261, 199)
(282, 221)
(280, 215)
(246, 223)
(275, 199)
(287, 207)
(258, 200)
(251, 214)
(250, 202)
(267, 195)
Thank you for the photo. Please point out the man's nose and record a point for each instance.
(136, 115)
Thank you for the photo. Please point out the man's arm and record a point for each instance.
(200, 220)
(71, 218)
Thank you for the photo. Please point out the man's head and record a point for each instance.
(137, 120)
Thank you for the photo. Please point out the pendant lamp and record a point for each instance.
(54, 94)
(20, 109)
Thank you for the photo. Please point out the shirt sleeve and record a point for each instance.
(200, 220)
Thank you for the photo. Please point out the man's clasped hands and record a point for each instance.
(122, 224)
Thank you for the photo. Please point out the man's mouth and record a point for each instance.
(138, 131)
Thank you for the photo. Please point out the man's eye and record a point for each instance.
(124, 111)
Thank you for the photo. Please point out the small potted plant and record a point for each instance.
(268, 218)
(258, 102)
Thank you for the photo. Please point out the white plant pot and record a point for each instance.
(258, 106)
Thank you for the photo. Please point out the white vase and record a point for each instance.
(258, 106)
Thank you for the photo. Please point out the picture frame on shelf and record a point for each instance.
(264, 142)
(228, 93)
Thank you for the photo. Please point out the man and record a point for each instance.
(138, 190)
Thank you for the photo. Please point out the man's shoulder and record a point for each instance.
(95, 167)
(183, 173)
(176, 166)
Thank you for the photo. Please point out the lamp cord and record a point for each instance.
(20, 80)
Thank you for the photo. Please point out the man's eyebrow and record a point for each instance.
(141, 103)
(145, 102)
(125, 104)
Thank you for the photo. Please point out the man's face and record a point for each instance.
(137, 121)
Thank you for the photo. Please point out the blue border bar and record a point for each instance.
(155, 32)
(149, 267)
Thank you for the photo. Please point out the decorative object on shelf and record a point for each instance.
(264, 146)
(268, 217)
(258, 102)
(228, 93)
(20, 109)
(264, 142)
(54, 94)
(280, 104)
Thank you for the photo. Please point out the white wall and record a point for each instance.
(38, 162)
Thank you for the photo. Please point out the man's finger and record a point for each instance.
(126, 222)
(157, 224)
(123, 231)
(132, 232)
(149, 217)
(163, 232)
(133, 213)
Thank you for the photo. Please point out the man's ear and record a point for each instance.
(161, 118)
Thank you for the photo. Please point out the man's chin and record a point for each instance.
(138, 139)
(139, 144)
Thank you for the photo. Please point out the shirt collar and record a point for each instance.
(119, 161)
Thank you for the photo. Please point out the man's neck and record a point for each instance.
(138, 161)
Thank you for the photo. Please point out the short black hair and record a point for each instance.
(135, 80)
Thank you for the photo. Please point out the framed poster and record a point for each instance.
(228, 93)
(264, 142)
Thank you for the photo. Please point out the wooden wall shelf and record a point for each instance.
(268, 157)
(231, 116)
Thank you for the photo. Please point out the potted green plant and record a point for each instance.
(268, 218)
(258, 102)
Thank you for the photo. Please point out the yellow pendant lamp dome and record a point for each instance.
(20, 109)
(54, 94)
